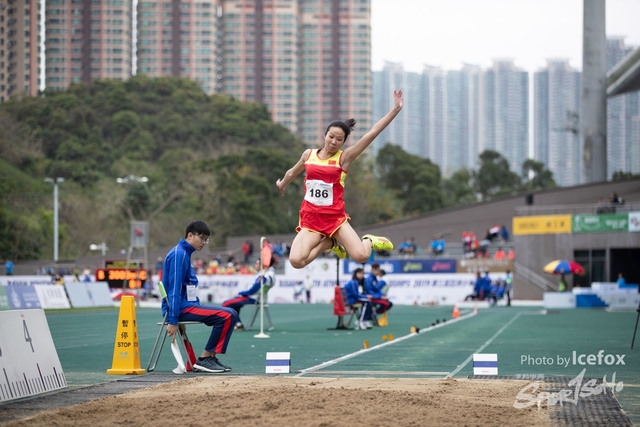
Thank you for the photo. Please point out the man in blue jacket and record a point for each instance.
(373, 287)
(180, 282)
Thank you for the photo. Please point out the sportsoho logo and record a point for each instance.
(528, 397)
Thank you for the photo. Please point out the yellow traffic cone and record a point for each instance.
(126, 352)
(383, 320)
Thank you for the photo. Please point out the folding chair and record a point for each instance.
(256, 310)
(182, 337)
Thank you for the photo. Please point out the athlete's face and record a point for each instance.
(334, 139)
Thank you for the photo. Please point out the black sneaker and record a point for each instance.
(208, 364)
(226, 368)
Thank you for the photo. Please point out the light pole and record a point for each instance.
(55, 213)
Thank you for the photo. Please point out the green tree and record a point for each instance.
(620, 175)
(541, 177)
(414, 180)
(458, 188)
(494, 178)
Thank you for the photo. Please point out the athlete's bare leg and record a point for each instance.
(306, 247)
(359, 250)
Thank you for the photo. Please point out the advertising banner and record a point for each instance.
(26, 280)
(407, 266)
(634, 221)
(4, 299)
(22, 297)
(52, 296)
(541, 224)
(600, 223)
(481, 265)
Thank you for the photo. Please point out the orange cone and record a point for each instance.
(456, 312)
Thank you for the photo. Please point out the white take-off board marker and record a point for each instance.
(278, 363)
(485, 364)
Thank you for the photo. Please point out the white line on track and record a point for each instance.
(482, 347)
(379, 346)
(377, 373)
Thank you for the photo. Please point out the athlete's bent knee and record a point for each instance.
(297, 262)
(360, 257)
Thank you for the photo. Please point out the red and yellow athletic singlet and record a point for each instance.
(324, 184)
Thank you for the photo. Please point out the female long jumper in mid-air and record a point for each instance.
(323, 221)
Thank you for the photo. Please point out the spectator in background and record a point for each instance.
(511, 255)
(246, 252)
(499, 254)
(504, 233)
(382, 284)
(508, 283)
(494, 232)
(159, 264)
(403, 248)
(614, 198)
(562, 285)
(308, 284)
(8, 267)
(86, 275)
(355, 297)
(477, 288)
(621, 282)
(603, 206)
(466, 242)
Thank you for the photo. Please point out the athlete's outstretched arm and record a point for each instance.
(356, 149)
(292, 173)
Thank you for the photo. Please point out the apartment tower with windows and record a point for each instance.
(178, 38)
(19, 48)
(86, 40)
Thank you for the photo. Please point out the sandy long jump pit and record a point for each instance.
(296, 401)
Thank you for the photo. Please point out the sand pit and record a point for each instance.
(289, 401)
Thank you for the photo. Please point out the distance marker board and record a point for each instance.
(29, 363)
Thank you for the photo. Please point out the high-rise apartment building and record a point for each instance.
(86, 40)
(399, 132)
(463, 108)
(556, 128)
(623, 119)
(179, 38)
(260, 56)
(19, 48)
(505, 106)
(433, 83)
(335, 68)
(442, 117)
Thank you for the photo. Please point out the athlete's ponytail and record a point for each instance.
(347, 126)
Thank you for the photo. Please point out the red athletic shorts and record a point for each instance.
(325, 224)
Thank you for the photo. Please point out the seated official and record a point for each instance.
(373, 288)
(266, 278)
(352, 289)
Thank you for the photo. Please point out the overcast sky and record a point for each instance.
(448, 33)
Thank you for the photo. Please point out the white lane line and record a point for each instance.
(377, 373)
(482, 347)
(379, 346)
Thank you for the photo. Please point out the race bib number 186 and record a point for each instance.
(319, 193)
